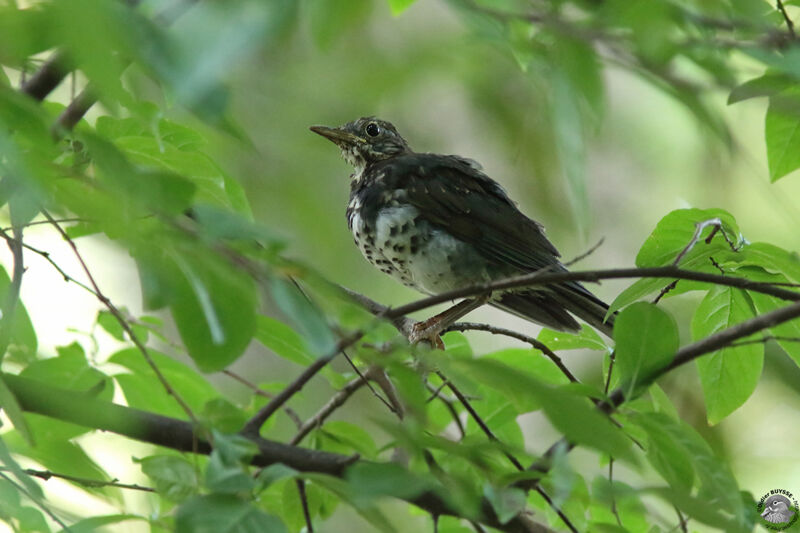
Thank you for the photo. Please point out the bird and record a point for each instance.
(438, 223)
(777, 509)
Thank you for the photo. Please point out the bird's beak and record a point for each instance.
(337, 135)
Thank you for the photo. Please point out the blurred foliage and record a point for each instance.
(188, 90)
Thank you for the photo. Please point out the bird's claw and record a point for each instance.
(426, 332)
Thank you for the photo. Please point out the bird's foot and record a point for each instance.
(427, 331)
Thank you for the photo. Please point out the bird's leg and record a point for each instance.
(428, 330)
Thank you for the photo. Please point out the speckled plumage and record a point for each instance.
(437, 222)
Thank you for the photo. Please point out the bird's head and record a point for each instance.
(365, 141)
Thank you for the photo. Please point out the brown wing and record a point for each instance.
(457, 197)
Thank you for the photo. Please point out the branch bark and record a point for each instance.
(79, 408)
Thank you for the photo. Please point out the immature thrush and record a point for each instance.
(437, 222)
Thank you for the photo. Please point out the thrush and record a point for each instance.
(437, 222)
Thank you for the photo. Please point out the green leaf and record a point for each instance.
(766, 85)
(666, 449)
(222, 415)
(398, 6)
(10, 464)
(226, 477)
(69, 370)
(62, 456)
(330, 19)
(109, 322)
(13, 410)
(282, 340)
(175, 478)
(646, 340)
(674, 232)
(344, 437)
(308, 318)
(95, 523)
(587, 338)
(772, 259)
(222, 223)
(784, 332)
(571, 146)
(681, 456)
(346, 492)
(782, 134)
(570, 412)
(214, 311)
(274, 473)
(23, 33)
(507, 502)
(374, 480)
(23, 343)
(729, 376)
(143, 392)
(625, 501)
(220, 513)
(205, 46)
(670, 237)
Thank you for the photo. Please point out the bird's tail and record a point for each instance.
(552, 307)
(586, 306)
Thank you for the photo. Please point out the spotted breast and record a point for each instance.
(395, 237)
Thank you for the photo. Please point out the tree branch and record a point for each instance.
(91, 483)
(78, 408)
(682, 356)
(537, 344)
(117, 314)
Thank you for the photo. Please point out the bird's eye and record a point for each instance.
(372, 129)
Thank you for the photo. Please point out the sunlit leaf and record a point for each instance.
(398, 6)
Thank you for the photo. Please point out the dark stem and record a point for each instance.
(789, 23)
(301, 490)
(537, 344)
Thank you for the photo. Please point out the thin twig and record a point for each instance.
(253, 426)
(12, 297)
(789, 23)
(91, 483)
(664, 291)
(301, 491)
(537, 344)
(611, 489)
(682, 520)
(716, 223)
(684, 355)
(535, 279)
(291, 413)
(514, 461)
(44, 222)
(78, 408)
(365, 381)
(334, 403)
(117, 314)
(35, 499)
(764, 340)
(437, 393)
(611, 359)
